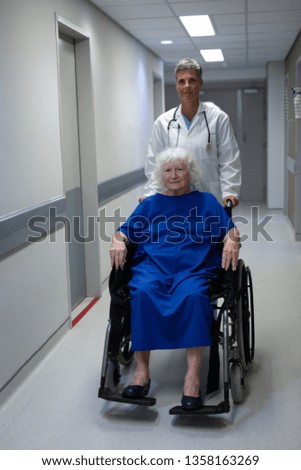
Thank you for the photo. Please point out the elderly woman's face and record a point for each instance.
(176, 177)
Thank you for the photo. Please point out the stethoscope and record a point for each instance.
(174, 119)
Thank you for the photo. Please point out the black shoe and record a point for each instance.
(136, 391)
(191, 403)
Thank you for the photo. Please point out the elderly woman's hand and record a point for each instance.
(118, 250)
(231, 249)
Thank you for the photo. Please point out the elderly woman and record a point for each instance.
(177, 233)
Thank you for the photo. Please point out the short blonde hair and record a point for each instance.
(172, 155)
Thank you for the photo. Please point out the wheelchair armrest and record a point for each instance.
(224, 284)
(119, 278)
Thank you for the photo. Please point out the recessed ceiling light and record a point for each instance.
(212, 55)
(198, 25)
(166, 41)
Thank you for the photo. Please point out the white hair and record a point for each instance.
(173, 155)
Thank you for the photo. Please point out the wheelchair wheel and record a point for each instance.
(237, 382)
(250, 309)
(125, 353)
(244, 316)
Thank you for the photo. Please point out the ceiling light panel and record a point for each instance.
(212, 55)
(198, 25)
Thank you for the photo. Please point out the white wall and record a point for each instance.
(33, 304)
(33, 279)
(29, 130)
(275, 135)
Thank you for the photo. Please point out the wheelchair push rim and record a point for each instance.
(250, 300)
(245, 316)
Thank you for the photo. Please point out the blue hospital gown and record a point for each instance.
(176, 254)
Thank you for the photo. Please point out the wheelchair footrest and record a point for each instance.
(222, 407)
(114, 396)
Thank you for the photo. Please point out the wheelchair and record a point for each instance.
(233, 334)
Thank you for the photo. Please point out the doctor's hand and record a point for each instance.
(231, 249)
(118, 250)
(233, 199)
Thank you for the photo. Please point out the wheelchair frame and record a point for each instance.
(235, 333)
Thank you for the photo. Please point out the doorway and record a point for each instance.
(71, 169)
(158, 99)
(298, 159)
(78, 161)
(253, 145)
(246, 108)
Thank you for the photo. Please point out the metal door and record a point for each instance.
(71, 169)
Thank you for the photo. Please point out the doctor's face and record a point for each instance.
(176, 178)
(188, 84)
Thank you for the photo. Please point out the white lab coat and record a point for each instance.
(220, 166)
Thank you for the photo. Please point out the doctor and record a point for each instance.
(203, 127)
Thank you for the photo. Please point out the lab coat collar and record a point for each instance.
(196, 119)
(200, 110)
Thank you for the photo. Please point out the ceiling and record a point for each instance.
(250, 33)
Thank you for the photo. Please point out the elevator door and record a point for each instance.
(253, 147)
(247, 114)
(71, 169)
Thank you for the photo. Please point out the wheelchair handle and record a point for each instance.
(228, 207)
